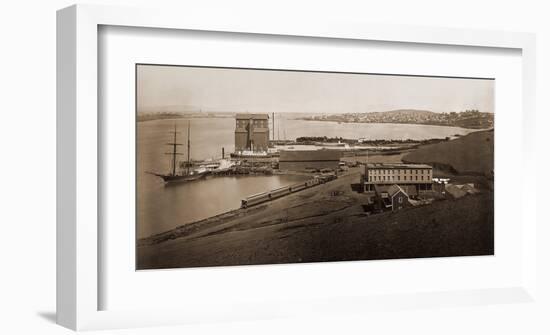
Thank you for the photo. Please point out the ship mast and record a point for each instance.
(188, 145)
(174, 152)
(279, 131)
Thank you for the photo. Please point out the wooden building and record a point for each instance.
(412, 179)
(398, 198)
(303, 160)
(401, 174)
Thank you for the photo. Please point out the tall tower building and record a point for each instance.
(251, 132)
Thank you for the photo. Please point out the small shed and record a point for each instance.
(398, 197)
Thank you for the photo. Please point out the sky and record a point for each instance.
(189, 89)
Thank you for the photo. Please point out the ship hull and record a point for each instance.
(180, 179)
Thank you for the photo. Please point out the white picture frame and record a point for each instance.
(78, 254)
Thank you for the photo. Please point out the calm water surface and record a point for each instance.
(162, 208)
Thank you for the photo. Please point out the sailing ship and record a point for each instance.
(186, 174)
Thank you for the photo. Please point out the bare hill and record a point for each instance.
(470, 154)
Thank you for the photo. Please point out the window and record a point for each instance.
(416, 178)
(398, 177)
(400, 199)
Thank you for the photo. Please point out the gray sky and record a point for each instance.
(173, 88)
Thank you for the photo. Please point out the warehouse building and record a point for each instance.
(304, 160)
(380, 179)
(417, 175)
(251, 133)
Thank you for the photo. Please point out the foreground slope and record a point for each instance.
(326, 223)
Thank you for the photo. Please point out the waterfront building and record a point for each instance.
(303, 160)
(251, 132)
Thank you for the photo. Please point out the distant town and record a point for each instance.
(472, 119)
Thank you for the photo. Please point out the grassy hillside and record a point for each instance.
(470, 154)
(316, 226)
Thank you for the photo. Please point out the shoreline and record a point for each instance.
(185, 227)
(301, 119)
(402, 123)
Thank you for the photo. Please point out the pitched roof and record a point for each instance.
(394, 189)
(454, 191)
(470, 188)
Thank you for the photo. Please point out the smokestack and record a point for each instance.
(223, 152)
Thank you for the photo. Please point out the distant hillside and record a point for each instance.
(470, 154)
(148, 116)
(472, 119)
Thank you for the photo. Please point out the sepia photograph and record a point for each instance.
(241, 166)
